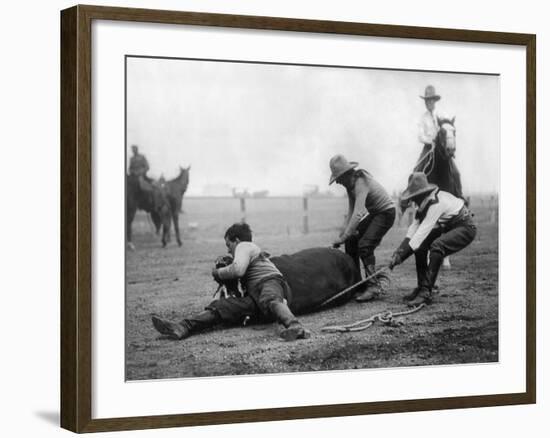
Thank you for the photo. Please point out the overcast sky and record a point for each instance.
(275, 127)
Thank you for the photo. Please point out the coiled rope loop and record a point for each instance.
(385, 317)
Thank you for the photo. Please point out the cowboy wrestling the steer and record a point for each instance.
(276, 289)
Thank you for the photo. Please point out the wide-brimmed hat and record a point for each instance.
(338, 166)
(429, 93)
(418, 184)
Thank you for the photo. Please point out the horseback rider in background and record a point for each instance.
(138, 168)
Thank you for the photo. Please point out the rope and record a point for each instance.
(353, 286)
(428, 162)
(384, 317)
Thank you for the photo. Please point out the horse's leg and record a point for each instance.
(175, 218)
(166, 219)
(130, 214)
(155, 216)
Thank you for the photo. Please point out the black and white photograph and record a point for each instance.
(285, 218)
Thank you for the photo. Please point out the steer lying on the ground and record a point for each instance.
(313, 275)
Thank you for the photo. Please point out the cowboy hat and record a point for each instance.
(429, 93)
(338, 166)
(418, 184)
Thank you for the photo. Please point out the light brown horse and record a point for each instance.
(151, 200)
(173, 190)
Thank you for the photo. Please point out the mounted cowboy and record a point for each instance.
(144, 194)
(371, 213)
(445, 175)
(428, 125)
(138, 168)
(442, 225)
(431, 129)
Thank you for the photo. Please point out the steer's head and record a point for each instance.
(227, 288)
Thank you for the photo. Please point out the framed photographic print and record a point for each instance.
(308, 218)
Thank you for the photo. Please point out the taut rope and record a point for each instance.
(353, 286)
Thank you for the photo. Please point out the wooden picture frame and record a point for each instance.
(76, 217)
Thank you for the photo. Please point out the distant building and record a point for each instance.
(240, 193)
(260, 194)
(312, 191)
(217, 189)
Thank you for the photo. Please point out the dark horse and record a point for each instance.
(150, 199)
(173, 191)
(438, 162)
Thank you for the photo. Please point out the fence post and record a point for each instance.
(305, 214)
(243, 208)
(411, 216)
(398, 209)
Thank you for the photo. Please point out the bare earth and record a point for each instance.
(461, 326)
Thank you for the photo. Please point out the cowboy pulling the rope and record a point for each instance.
(442, 226)
(371, 214)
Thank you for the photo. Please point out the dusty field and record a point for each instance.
(461, 326)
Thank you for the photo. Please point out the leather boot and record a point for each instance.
(424, 296)
(373, 289)
(421, 259)
(171, 329)
(186, 327)
(293, 328)
(436, 260)
(412, 295)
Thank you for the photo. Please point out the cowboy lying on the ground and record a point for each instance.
(277, 289)
(269, 296)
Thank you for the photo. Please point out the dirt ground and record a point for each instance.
(461, 326)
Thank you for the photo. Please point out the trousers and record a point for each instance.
(440, 243)
(369, 235)
(256, 305)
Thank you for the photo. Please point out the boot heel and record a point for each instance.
(294, 332)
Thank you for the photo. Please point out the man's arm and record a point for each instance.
(412, 228)
(359, 211)
(239, 266)
(426, 226)
(348, 215)
(424, 135)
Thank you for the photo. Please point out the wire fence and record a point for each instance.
(287, 215)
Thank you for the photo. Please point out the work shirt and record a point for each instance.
(368, 197)
(250, 264)
(139, 165)
(435, 211)
(428, 127)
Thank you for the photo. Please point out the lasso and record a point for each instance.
(385, 317)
